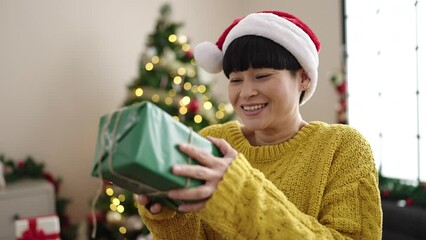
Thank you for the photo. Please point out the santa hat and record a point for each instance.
(280, 27)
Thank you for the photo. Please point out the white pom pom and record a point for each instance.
(209, 57)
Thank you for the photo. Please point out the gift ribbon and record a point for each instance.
(33, 234)
(112, 141)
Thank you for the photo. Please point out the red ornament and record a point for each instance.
(189, 54)
(342, 88)
(193, 106)
(385, 193)
(409, 201)
(21, 164)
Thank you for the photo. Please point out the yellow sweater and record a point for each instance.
(321, 184)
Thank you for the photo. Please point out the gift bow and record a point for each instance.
(33, 234)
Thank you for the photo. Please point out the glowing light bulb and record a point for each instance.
(155, 59)
(186, 47)
(172, 38)
(155, 98)
(168, 100)
(149, 66)
(115, 201)
(207, 105)
(109, 191)
(202, 89)
(198, 118)
(185, 101)
(181, 71)
(183, 110)
(177, 80)
(122, 230)
(187, 86)
(120, 208)
(172, 93)
(220, 114)
(122, 198)
(182, 39)
(139, 92)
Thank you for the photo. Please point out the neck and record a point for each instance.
(276, 136)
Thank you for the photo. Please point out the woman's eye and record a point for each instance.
(260, 76)
(235, 81)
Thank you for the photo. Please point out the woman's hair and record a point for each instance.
(258, 52)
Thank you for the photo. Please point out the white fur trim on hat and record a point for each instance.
(209, 57)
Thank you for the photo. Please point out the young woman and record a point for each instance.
(280, 177)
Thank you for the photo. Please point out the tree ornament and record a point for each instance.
(193, 106)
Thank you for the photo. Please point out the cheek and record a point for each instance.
(232, 95)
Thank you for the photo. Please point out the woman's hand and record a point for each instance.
(154, 208)
(211, 170)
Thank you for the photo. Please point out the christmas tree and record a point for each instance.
(168, 76)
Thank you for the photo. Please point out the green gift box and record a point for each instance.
(137, 147)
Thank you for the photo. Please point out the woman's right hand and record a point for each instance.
(154, 208)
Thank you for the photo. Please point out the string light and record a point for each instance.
(122, 230)
(191, 73)
(182, 39)
(181, 71)
(186, 47)
(177, 80)
(221, 107)
(172, 93)
(115, 201)
(120, 208)
(193, 62)
(176, 118)
(220, 114)
(172, 38)
(109, 191)
(139, 92)
(198, 118)
(112, 207)
(207, 105)
(183, 110)
(187, 86)
(168, 100)
(202, 89)
(185, 101)
(155, 98)
(149, 66)
(122, 198)
(155, 59)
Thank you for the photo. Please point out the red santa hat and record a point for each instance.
(280, 27)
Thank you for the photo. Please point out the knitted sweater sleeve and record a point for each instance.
(247, 205)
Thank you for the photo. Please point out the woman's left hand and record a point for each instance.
(211, 170)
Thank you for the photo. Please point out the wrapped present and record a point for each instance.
(38, 228)
(137, 147)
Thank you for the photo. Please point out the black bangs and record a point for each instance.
(257, 52)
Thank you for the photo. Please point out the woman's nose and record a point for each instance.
(248, 89)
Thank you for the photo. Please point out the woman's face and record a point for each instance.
(265, 98)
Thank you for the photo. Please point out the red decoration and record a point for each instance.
(193, 106)
(385, 193)
(189, 54)
(409, 201)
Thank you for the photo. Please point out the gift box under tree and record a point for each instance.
(40, 228)
(137, 147)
